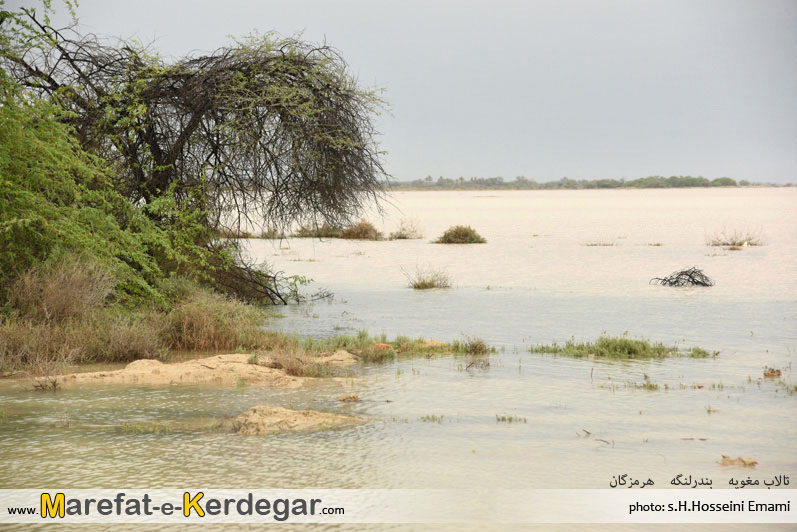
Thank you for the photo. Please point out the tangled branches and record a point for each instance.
(269, 132)
(271, 126)
(690, 277)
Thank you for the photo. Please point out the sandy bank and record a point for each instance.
(218, 369)
(267, 419)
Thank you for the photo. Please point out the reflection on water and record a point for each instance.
(535, 281)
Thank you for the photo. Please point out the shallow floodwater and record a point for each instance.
(535, 281)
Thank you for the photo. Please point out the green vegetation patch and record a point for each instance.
(510, 419)
(619, 348)
(362, 230)
(461, 234)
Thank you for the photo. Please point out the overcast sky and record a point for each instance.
(583, 89)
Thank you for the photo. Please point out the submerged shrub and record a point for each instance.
(427, 279)
(272, 233)
(472, 346)
(362, 230)
(460, 234)
(736, 239)
(407, 230)
(323, 231)
(688, 277)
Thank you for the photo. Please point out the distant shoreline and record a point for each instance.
(521, 183)
(403, 188)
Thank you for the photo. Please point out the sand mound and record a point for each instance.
(266, 419)
(338, 358)
(744, 462)
(219, 369)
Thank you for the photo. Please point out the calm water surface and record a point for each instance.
(535, 281)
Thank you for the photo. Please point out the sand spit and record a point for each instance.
(227, 370)
(267, 419)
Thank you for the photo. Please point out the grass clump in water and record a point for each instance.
(472, 346)
(460, 234)
(736, 239)
(432, 418)
(510, 419)
(362, 230)
(144, 428)
(407, 230)
(428, 279)
(315, 231)
(272, 233)
(699, 352)
(618, 348)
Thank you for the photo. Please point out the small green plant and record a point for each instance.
(510, 419)
(699, 352)
(460, 234)
(600, 243)
(432, 418)
(253, 359)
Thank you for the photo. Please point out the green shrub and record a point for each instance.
(460, 234)
(58, 200)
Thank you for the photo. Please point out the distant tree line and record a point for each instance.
(522, 183)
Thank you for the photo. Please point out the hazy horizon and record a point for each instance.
(545, 90)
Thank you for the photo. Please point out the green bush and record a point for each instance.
(461, 234)
(58, 200)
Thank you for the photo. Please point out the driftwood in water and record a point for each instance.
(690, 277)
